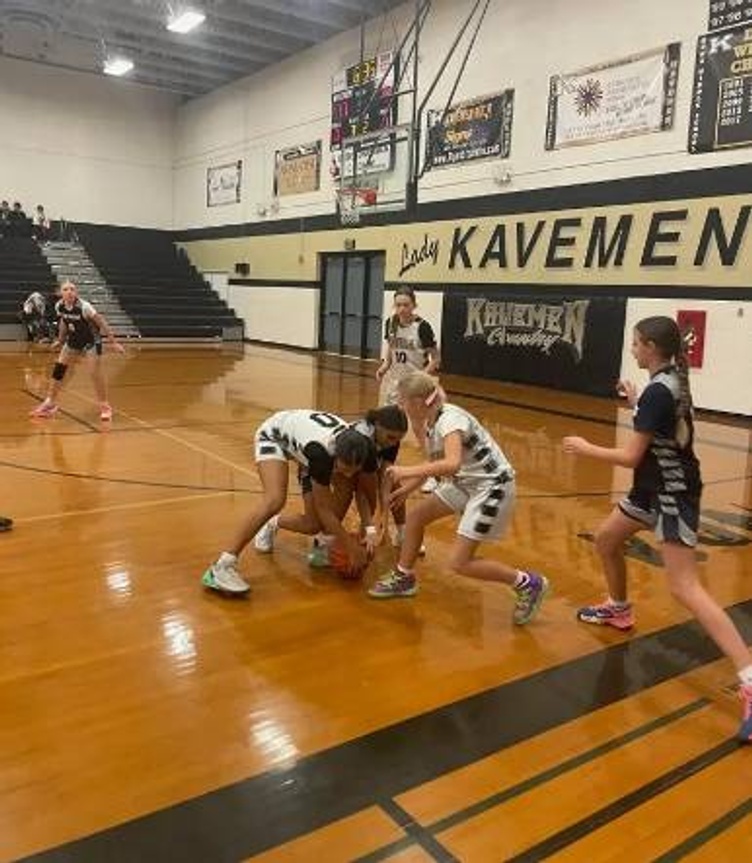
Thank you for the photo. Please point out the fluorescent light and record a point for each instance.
(185, 21)
(117, 66)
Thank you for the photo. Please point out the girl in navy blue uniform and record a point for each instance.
(665, 496)
(80, 330)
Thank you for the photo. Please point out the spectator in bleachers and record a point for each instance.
(18, 222)
(4, 218)
(41, 225)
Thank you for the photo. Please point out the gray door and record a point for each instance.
(351, 305)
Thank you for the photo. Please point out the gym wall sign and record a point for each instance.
(705, 241)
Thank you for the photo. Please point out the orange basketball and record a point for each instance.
(339, 559)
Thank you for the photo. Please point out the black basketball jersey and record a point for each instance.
(80, 330)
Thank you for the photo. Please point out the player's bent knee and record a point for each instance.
(58, 371)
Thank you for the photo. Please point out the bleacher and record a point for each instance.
(23, 269)
(163, 294)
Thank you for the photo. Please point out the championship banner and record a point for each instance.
(729, 13)
(566, 344)
(475, 129)
(721, 111)
(692, 324)
(363, 102)
(632, 96)
(223, 184)
(297, 170)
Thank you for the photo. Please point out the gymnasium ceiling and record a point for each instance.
(238, 38)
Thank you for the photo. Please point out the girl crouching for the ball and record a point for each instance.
(324, 447)
(476, 482)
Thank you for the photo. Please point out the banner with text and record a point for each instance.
(297, 170)
(475, 129)
(632, 96)
(223, 184)
(566, 344)
(721, 111)
(729, 13)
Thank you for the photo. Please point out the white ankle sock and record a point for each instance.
(227, 558)
(522, 580)
(745, 675)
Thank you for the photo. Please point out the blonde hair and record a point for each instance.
(422, 386)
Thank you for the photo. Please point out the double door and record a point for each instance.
(352, 301)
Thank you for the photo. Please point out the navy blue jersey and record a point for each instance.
(666, 467)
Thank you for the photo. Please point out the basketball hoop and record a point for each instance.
(351, 201)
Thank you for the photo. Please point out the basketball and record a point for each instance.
(339, 559)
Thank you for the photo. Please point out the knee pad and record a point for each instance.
(58, 371)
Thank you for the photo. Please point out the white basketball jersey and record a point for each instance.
(293, 430)
(482, 457)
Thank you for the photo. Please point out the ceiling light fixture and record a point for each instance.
(185, 21)
(117, 66)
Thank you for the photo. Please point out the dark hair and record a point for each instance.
(390, 417)
(352, 448)
(402, 291)
(664, 333)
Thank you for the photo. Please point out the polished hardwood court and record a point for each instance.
(144, 719)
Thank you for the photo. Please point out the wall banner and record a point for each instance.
(297, 170)
(223, 184)
(729, 13)
(692, 324)
(566, 344)
(474, 129)
(721, 111)
(632, 96)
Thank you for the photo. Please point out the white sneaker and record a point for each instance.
(430, 485)
(264, 539)
(224, 577)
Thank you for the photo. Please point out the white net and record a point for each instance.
(349, 203)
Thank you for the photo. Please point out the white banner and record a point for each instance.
(632, 96)
(223, 184)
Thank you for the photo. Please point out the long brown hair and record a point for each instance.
(665, 334)
(403, 291)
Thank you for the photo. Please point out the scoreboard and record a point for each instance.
(729, 13)
(363, 98)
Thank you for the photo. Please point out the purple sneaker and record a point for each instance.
(528, 599)
(392, 585)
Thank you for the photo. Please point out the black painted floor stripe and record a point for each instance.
(266, 810)
(543, 777)
(554, 843)
(420, 836)
(707, 834)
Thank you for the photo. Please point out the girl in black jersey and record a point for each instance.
(80, 331)
(665, 496)
(323, 445)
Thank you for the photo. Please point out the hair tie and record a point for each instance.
(437, 394)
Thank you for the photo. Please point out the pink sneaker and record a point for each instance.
(606, 614)
(745, 731)
(45, 410)
(105, 412)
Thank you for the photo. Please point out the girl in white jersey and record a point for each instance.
(322, 444)
(80, 331)
(409, 346)
(477, 483)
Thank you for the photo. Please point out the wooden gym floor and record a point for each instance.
(143, 719)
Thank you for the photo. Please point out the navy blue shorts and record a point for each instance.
(673, 517)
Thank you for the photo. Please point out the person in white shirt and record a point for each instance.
(476, 482)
